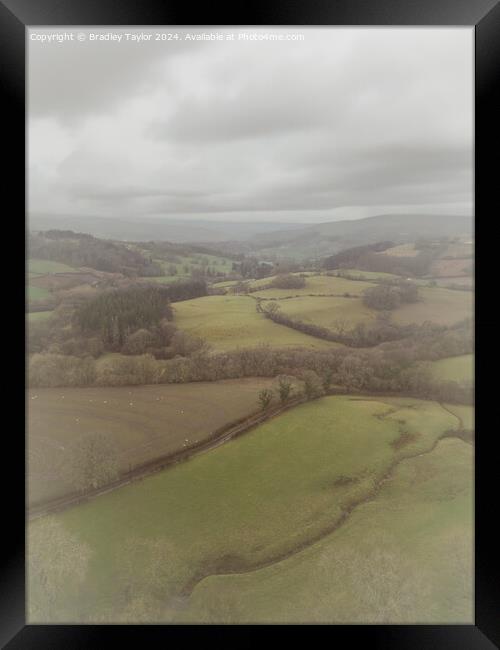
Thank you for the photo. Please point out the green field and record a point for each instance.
(144, 422)
(37, 316)
(370, 275)
(327, 312)
(229, 322)
(442, 306)
(465, 415)
(259, 498)
(40, 267)
(402, 250)
(37, 293)
(185, 264)
(315, 284)
(224, 285)
(459, 368)
(405, 557)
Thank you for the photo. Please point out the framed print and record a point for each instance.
(256, 251)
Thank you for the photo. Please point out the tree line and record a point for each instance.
(362, 335)
(391, 367)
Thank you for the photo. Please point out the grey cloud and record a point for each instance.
(347, 118)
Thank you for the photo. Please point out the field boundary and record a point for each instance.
(248, 567)
(215, 439)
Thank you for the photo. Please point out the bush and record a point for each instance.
(288, 281)
(313, 386)
(51, 370)
(127, 371)
(265, 398)
(382, 297)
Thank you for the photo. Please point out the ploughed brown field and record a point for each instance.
(143, 422)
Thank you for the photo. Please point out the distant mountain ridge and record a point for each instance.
(327, 238)
(173, 230)
(274, 239)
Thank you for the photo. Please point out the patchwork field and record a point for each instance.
(144, 422)
(40, 267)
(462, 281)
(404, 557)
(262, 498)
(327, 312)
(229, 322)
(184, 265)
(442, 306)
(452, 268)
(315, 284)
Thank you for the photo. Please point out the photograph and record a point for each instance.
(250, 325)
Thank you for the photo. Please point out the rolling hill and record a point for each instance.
(323, 239)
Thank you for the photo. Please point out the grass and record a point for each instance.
(402, 250)
(40, 267)
(225, 284)
(327, 312)
(253, 500)
(464, 413)
(37, 316)
(229, 322)
(442, 306)
(166, 279)
(405, 557)
(144, 422)
(370, 275)
(37, 293)
(315, 284)
(184, 264)
(459, 368)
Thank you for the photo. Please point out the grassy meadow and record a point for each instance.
(327, 311)
(229, 322)
(37, 316)
(41, 267)
(252, 502)
(315, 284)
(405, 556)
(459, 368)
(37, 293)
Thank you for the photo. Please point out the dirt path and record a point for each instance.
(217, 438)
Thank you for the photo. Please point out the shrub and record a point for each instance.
(382, 297)
(265, 398)
(288, 281)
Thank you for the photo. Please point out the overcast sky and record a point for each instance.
(346, 123)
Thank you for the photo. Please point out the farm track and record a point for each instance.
(218, 437)
(188, 589)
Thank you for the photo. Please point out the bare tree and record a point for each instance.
(284, 388)
(265, 398)
(93, 461)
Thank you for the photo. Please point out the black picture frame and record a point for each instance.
(484, 17)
